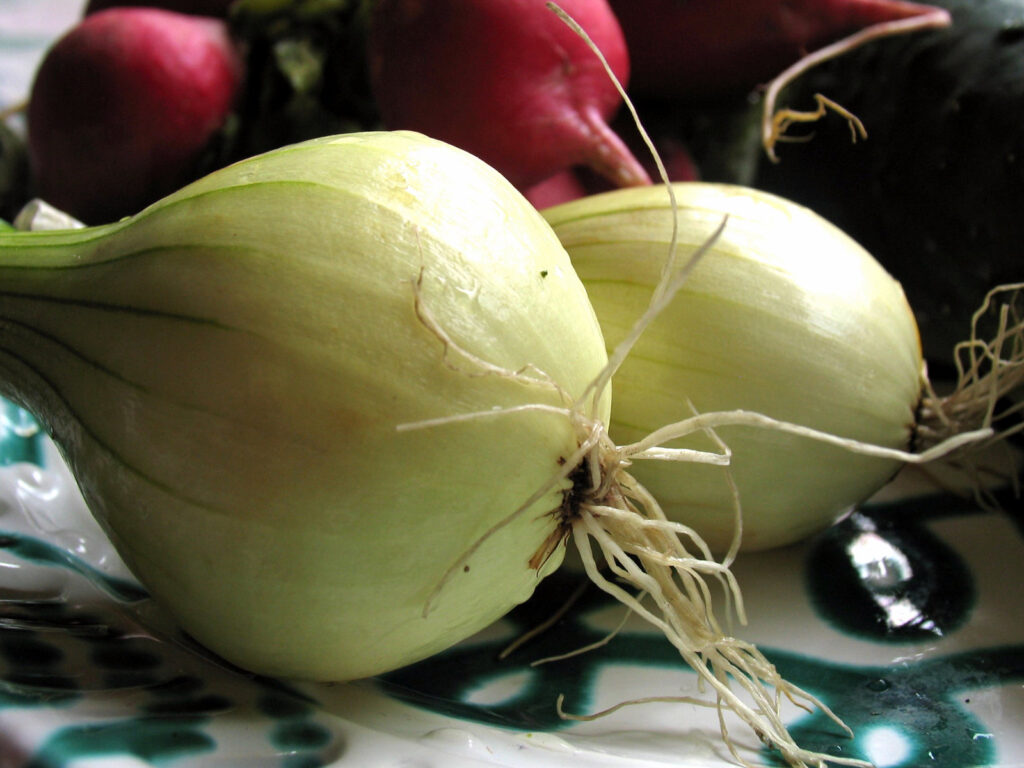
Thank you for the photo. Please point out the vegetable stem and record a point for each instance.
(58, 249)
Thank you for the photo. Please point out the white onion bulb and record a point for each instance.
(227, 371)
(784, 315)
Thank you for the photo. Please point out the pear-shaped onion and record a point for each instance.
(227, 371)
(785, 315)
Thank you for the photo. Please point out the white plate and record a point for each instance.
(905, 619)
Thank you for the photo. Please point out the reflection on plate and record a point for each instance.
(904, 619)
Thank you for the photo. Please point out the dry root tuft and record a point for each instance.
(647, 558)
(990, 374)
(990, 370)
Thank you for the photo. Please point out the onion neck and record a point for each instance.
(40, 250)
(36, 274)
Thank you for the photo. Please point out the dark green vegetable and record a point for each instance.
(13, 172)
(307, 74)
(936, 192)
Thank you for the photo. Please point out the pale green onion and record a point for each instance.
(226, 373)
(785, 318)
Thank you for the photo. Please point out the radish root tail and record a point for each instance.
(784, 118)
(774, 125)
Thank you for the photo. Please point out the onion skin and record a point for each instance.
(786, 316)
(226, 373)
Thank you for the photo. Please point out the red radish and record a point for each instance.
(575, 183)
(218, 8)
(124, 105)
(561, 188)
(688, 48)
(506, 80)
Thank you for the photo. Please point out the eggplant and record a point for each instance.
(936, 191)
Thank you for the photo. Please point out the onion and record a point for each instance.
(785, 331)
(225, 373)
(342, 405)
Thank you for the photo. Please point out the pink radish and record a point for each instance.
(506, 80)
(124, 105)
(561, 188)
(688, 48)
(574, 183)
(218, 8)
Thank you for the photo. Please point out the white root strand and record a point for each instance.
(671, 282)
(545, 625)
(528, 374)
(590, 646)
(650, 446)
(439, 421)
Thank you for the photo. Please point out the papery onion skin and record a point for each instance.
(226, 373)
(786, 316)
